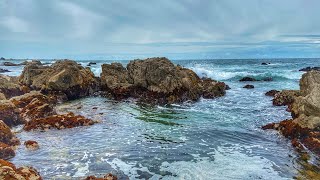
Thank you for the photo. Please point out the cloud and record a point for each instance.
(14, 24)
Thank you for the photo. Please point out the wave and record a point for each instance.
(232, 75)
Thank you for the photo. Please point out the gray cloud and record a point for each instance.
(50, 28)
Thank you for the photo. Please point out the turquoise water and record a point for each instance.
(210, 139)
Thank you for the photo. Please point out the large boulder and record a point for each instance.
(9, 86)
(7, 142)
(64, 76)
(10, 114)
(10, 171)
(157, 80)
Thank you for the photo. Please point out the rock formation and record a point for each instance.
(248, 86)
(9, 86)
(157, 80)
(64, 76)
(9, 171)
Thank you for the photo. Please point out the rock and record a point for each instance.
(58, 122)
(6, 151)
(6, 136)
(9, 171)
(64, 76)
(2, 58)
(267, 79)
(247, 79)
(33, 62)
(4, 70)
(248, 86)
(272, 93)
(157, 81)
(32, 145)
(264, 63)
(310, 69)
(10, 87)
(10, 114)
(285, 97)
(106, 177)
(2, 97)
(91, 63)
(35, 105)
(10, 64)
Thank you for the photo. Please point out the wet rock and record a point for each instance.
(6, 151)
(9, 171)
(272, 93)
(63, 121)
(310, 69)
(10, 114)
(106, 177)
(34, 105)
(10, 64)
(6, 136)
(285, 97)
(91, 63)
(4, 70)
(248, 86)
(9, 86)
(64, 76)
(157, 81)
(2, 58)
(264, 63)
(247, 79)
(32, 145)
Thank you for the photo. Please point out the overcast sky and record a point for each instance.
(179, 29)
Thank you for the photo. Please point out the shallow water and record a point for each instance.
(209, 139)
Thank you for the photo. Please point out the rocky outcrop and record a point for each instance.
(272, 93)
(4, 70)
(35, 62)
(157, 80)
(248, 86)
(64, 76)
(10, 114)
(63, 121)
(9, 86)
(7, 142)
(9, 171)
(304, 105)
(106, 177)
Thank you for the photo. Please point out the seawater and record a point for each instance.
(210, 139)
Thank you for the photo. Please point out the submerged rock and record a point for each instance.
(157, 80)
(248, 86)
(264, 63)
(106, 177)
(58, 122)
(32, 145)
(91, 63)
(9, 171)
(10, 64)
(2, 58)
(64, 76)
(247, 79)
(272, 93)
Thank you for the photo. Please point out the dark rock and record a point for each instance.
(64, 76)
(4, 70)
(264, 63)
(267, 79)
(272, 93)
(247, 79)
(31, 145)
(248, 86)
(10, 64)
(310, 69)
(91, 63)
(2, 58)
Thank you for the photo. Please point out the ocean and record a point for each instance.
(210, 139)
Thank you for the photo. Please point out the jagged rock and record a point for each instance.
(4, 70)
(6, 151)
(6, 136)
(157, 80)
(63, 76)
(9, 171)
(91, 63)
(285, 97)
(9, 86)
(32, 145)
(248, 86)
(106, 177)
(310, 69)
(63, 121)
(272, 93)
(10, 114)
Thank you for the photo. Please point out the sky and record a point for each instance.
(178, 29)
